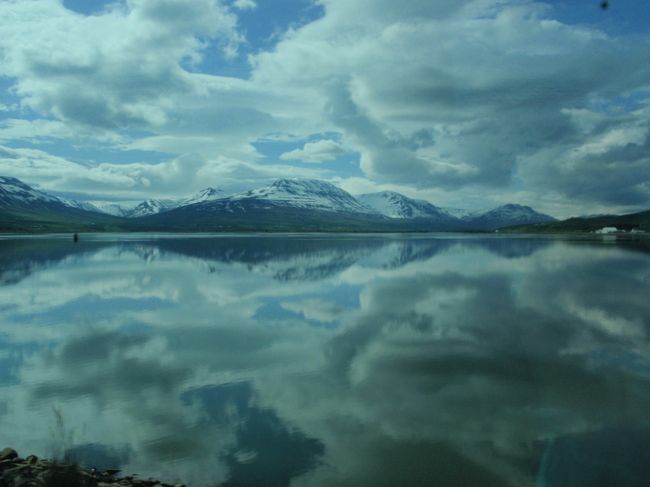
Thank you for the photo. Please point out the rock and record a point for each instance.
(32, 472)
(8, 454)
(19, 481)
(31, 459)
(17, 468)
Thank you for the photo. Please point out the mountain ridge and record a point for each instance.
(284, 205)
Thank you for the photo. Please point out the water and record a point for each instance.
(340, 360)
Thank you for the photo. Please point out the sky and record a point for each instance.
(465, 103)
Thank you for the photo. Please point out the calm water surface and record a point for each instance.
(318, 361)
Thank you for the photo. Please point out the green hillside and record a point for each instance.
(633, 221)
(70, 220)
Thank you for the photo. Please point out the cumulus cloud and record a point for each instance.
(492, 81)
(314, 309)
(117, 69)
(315, 152)
(109, 179)
(609, 161)
(245, 4)
(453, 98)
(179, 176)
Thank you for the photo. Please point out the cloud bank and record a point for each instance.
(440, 99)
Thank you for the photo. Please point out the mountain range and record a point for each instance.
(284, 205)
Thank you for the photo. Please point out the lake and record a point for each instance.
(315, 360)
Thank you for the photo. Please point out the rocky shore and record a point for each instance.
(34, 472)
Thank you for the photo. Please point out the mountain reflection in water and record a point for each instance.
(330, 360)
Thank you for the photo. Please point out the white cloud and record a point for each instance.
(42, 130)
(314, 309)
(180, 176)
(490, 81)
(315, 152)
(245, 4)
(8, 108)
(113, 70)
(475, 97)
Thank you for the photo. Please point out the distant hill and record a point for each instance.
(285, 205)
(26, 209)
(396, 205)
(634, 221)
(506, 216)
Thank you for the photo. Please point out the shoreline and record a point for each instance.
(32, 471)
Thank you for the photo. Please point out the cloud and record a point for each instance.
(609, 162)
(315, 152)
(245, 4)
(113, 70)
(314, 309)
(44, 131)
(179, 176)
(450, 98)
(397, 381)
(490, 81)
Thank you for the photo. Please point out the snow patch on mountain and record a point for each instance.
(112, 208)
(207, 194)
(80, 205)
(396, 205)
(508, 215)
(461, 213)
(306, 194)
(14, 191)
(151, 207)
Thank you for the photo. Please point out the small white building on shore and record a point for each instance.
(606, 230)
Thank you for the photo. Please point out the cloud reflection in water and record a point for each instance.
(475, 360)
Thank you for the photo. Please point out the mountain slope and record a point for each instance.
(507, 215)
(631, 221)
(110, 208)
(154, 206)
(150, 207)
(207, 194)
(396, 205)
(284, 205)
(26, 209)
(16, 194)
(310, 194)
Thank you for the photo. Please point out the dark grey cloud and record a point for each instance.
(493, 82)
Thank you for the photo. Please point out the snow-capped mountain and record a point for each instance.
(285, 204)
(111, 208)
(461, 213)
(15, 193)
(396, 205)
(311, 194)
(508, 215)
(151, 207)
(207, 194)
(80, 205)
(155, 206)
